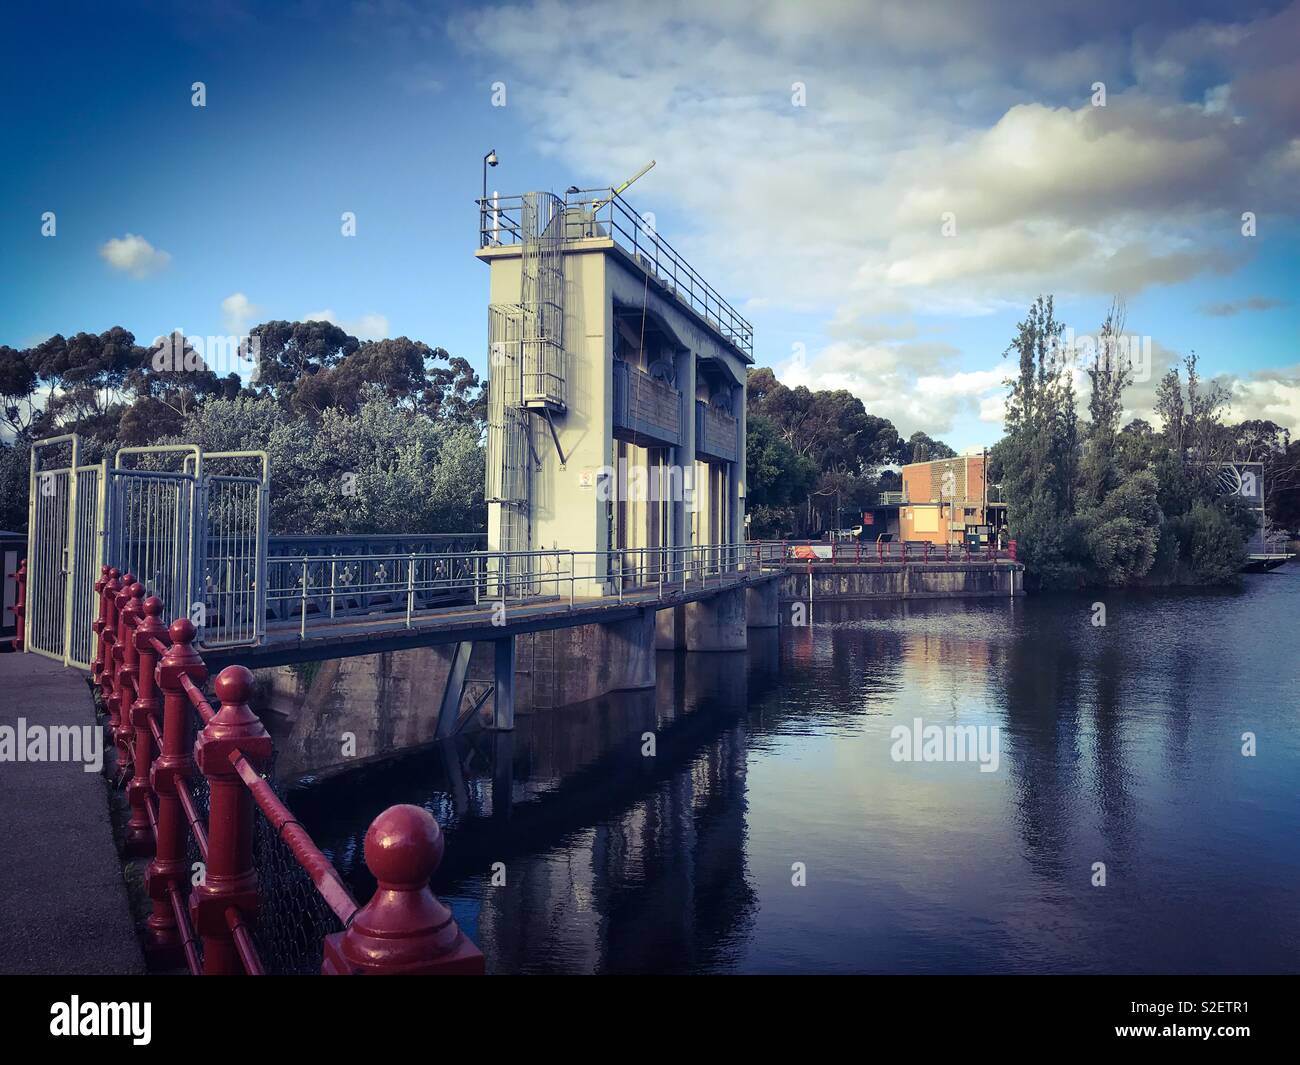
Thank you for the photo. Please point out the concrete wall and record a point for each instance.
(903, 581)
(565, 512)
(566, 666)
(391, 701)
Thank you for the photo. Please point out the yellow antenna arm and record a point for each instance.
(598, 204)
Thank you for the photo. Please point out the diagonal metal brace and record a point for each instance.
(554, 435)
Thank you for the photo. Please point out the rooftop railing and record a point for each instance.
(602, 213)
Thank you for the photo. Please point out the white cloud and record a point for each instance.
(980, 110)
(908, 383)
(1271, 396)
(367, 327)
(133, 255)
(838, 204)
(238, 313)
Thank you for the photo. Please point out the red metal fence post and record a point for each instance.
(143, 712)
(230, 881)
(168, 873)
(1011, 550)
(19, 608)
(129, 603)
(403, 929)
(120, 598)
(108, 637)
(97, 626)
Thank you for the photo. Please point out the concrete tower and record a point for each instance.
(617, 390)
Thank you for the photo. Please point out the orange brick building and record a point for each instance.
(946, 500)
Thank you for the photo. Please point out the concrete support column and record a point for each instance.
(763, 606)
(629, 652)
(684, 455)
(670, 629)
(735, 533)
(717, 623)
(503, 698)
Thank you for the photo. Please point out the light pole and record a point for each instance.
(488, 160)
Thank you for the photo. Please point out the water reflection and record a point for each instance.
(1120, 745)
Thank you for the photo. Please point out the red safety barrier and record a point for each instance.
(97, 626)
(402, 929)
(19, 609)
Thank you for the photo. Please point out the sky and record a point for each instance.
(881, 187)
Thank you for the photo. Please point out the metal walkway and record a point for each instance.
(286, 642)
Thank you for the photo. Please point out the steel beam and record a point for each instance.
(454, 689)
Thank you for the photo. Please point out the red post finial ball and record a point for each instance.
(181, 631)
(153, 606)
(234, 685)
(404, 846)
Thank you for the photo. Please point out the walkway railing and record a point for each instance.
(314, 590)
(207, 798)
(856, 553)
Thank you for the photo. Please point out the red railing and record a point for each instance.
(19, 609)
(151, 680)
(856, 552)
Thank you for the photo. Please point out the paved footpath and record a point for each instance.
(65, 902)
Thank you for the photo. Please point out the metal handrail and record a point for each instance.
(489, 576)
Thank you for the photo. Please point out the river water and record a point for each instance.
(1119, 744)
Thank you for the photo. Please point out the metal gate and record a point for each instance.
(152, 496)
(65, 524)
(192, 533)
(234, 517)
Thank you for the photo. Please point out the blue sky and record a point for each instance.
(807, 155)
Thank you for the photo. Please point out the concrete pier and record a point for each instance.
(763, 606)
(717, 624)
(66, 906)
(670, 629)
